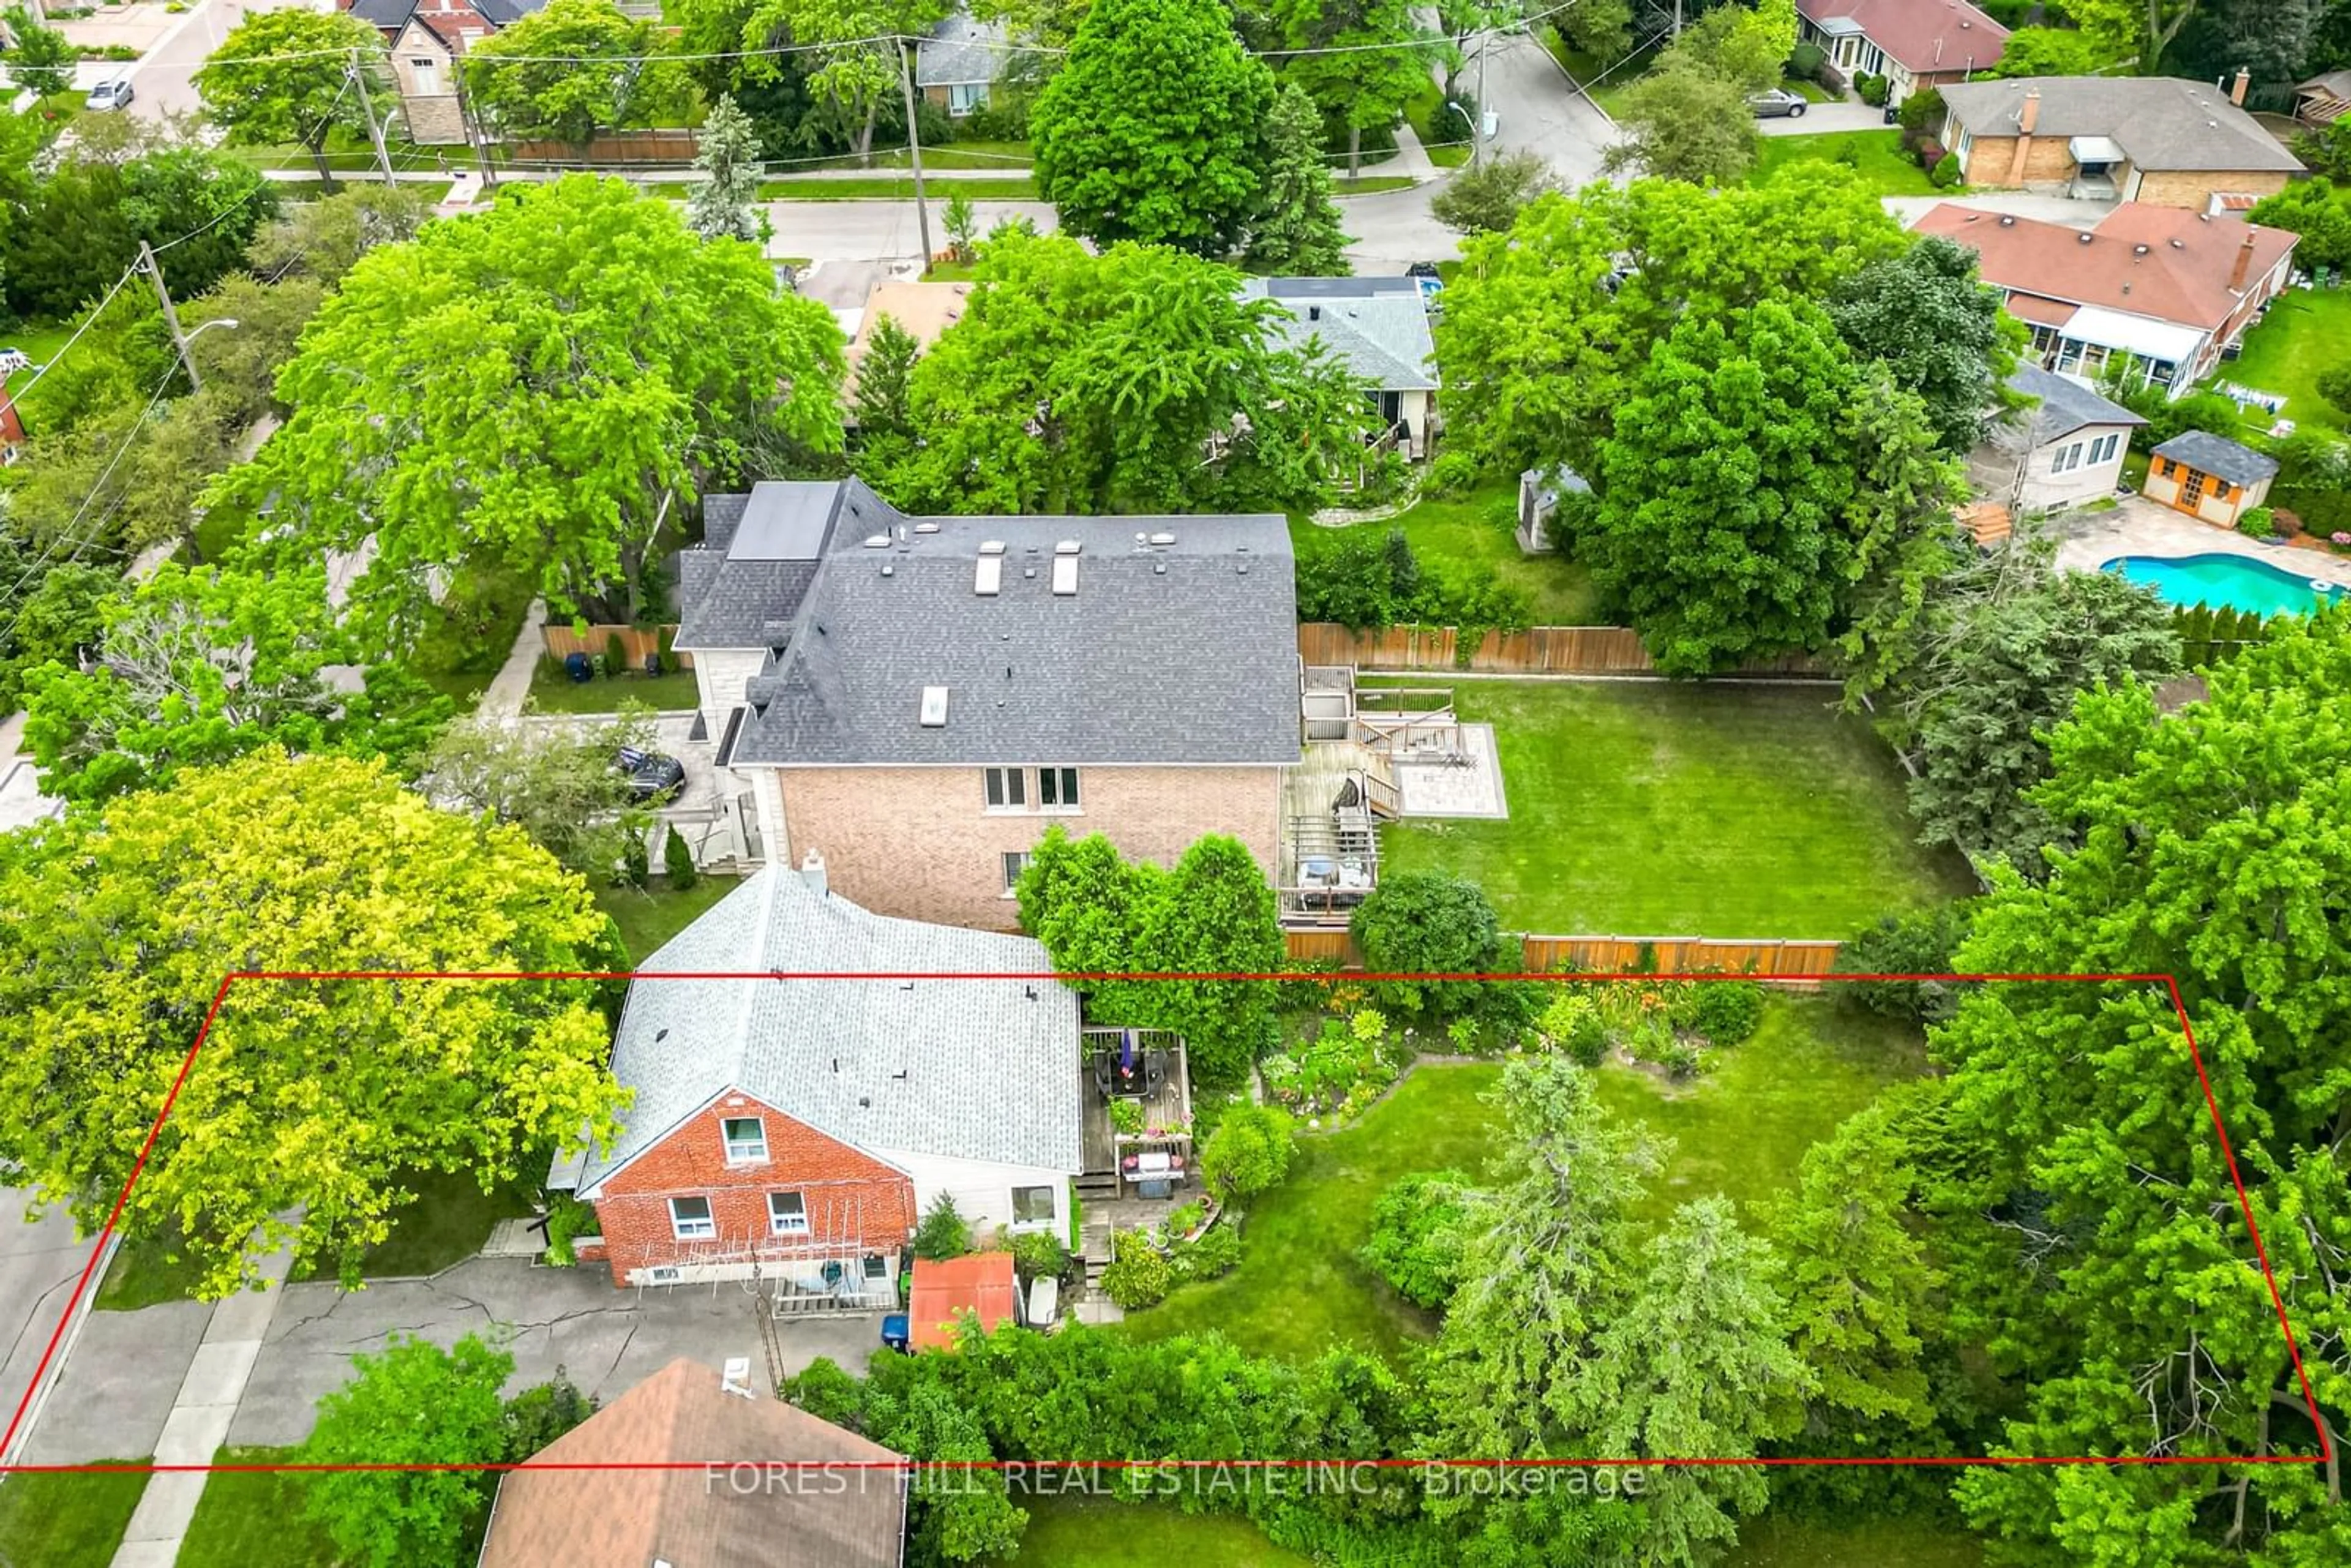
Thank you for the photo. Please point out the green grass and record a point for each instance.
(1584, 67)
(1810, 91)
(1475, 530)
(2306, 331)
(40, 344)
(1299, 1287)
(1371, 184)
(952, 272)
(1742, 1128)
(1653, 809)
(448, 1220)
(253, 1519)
(650, 917)
(1102, 1533)
(556, 692)
(143, 1276)
(60, 1520)
(1902, 1542)
(1444, 134)
(885, 187)
(1878, 159)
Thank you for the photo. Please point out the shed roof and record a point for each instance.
(981, 1283)
(2218, 457)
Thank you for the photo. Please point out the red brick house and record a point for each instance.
(428, 37)
(795, 1128)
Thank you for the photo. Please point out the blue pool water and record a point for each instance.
(2231, 581)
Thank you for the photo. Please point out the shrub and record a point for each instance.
(1805, 60)
(1919, 113)
(616, 657)
(538, 1415)
(2334, 385)
(827, 1393)
(1726, 1012)
(1247, 1152)
(1186, 1217)
(1922, 942)
(678, 860)
(568, 1219)
(1572, 1023)
(636, 861)
(1450, 474)
(1214, 1252)
(2257, 523)
(1929, 152)
(1428, 922)
(2322, 511)
(1039, 1255)
(1418, 1227)
(1872, 89)
(1946, 171)
(1681, 1061)
(1126, 1117)
(1139, 1274)
(944, 1233)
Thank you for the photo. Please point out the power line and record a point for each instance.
(96, 490)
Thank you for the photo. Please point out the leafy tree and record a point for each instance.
(1418, 1231)
(1369, 58)
(1248, 1153)
(2320, 211)
(569, 72)
(81, 226)
(542, 1413)
(1151, 131)
(1922, 942)
(1214, 914)
(1488, 196)
(1929, 316)
(1096, 385)
(1424, 922)
(43, 58)
(413, 1403)
(2048, 52)
(522, 390)
(1744, 45)
(324, 239)
(883, 395)
(63, 613)
(315, 864)
(240, 364)
(2121, 29)
(956, 1514)
(857, 73)
(1296, 233)
(2327, 149)
(1681, 122)
(285, 76)
(1600, 29)
(1903, 529)
(194, 668)
(2092, 1224)
(677, 861)
(557, 785)
(120, 478)
(724, 206)
(943, 1232)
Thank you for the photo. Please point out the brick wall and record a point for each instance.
(848, 1195)
(2046, 162)
(920, 841)
(2193, 188)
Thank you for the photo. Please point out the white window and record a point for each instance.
(1015, 863)
(787, 1214)
(1007, 788)
(428, 77)
(1033, 1206)
(689, 1219)
(2068, 458)
(2103, 448)
(963, 97)
(877, 1267)
(747, 1140)
(1057, 789)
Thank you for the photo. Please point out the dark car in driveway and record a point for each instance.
(652, 776)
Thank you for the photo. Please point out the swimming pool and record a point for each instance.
(2233, 582)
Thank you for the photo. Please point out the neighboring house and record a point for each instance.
(2208, 477)
(918, 699)
(1911, 43)
(2163, 294)
(981, 1283)
(924, 309)
(2063, 450)
(2322, 100)
(645, 1481)
(428, 37)
(958, 62)
(2154, 140)
(795, 1128)
(1375, 327)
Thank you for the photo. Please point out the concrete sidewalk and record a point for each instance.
(510, 687)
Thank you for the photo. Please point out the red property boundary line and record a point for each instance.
(220, 996)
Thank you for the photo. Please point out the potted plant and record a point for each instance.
(1126, 1117)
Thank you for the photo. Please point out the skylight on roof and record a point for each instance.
(935, 707)
(1065, 574)
(989, 579)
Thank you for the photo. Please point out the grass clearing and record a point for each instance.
(144, 1272)
(1875, 156)
(1371, 184)
(650, 915)
(2306, 331)
(1474, 532)
(1911, 1541)
(1102, 1533)
(61, 1520)
(555, 692)
(1655, 810)
(38, 344)
(252, 1518)
(448, 1220)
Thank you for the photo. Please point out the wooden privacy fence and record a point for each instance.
(1763, 957)
(636, 641)
(613, 147)
(1540, 650)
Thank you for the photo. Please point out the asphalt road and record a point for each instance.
(163, 83)
(39, 1262)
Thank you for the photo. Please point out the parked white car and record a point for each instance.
(107, 95)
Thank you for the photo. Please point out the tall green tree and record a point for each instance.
(1360, 60)
(1682, 122)
(315, 1103)
(557, 785)
(1489, 196)
(1152, 130)
(540, 388)
(1929, 316)
(43, 58)
(1296, 232)
(856, 66)
(287, 76)
(724, 204)
(569, 72)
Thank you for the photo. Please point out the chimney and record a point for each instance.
(2244, 263)
(812, 874)
(2237, 88)
(2028, 115)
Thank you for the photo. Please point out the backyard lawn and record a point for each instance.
(1474, 531)
(2306, 331)
(652, 916)
(253, 1519)
(1102, 1533)
(1651, 810)
(555, 692)
(58, 1521)
(1876, 156)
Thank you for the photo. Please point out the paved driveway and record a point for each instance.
(1822, 118)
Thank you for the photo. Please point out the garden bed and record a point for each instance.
(1473, 532)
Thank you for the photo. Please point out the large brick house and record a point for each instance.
(916, 700)
(2157, 141)
(1911, 43)
(797, 1127)
(428, 37)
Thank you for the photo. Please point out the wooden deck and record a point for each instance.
(1169, 1109)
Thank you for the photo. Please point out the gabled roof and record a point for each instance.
(959, 51)
(981, 1283)
(1179, 647)
(2162, 122)
(632, 1518)
(737, 591)
(1376, 326)
(2163, 263)
(1924, 34)
(2064, 405)
(391, 15)
(978, 1070)
(2218, 457)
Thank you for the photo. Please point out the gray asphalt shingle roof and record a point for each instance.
(960, 50)
(2163, 122)
(2066, 405)
(743, 584)
(1376, 326)
(2219, 457)
(978, 1069)
(1182, 651)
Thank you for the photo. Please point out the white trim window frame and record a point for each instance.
(1030, 1195)
(1057, 791)
(743, 1148)
(788, 1214)
(1004, 790)
(684, 1228)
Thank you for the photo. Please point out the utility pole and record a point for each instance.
(915, 151)
(473, 127)
(171, 317)
(367, 104)
(1477, 132)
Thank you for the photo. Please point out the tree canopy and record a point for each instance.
(1929, 318)
(1298, 232)
(286, 75)
(571, 70)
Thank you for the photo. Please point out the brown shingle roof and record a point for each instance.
(631, 1519)
(2182, 277)
(1924, 34)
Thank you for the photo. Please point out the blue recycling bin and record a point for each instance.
(578, 667)
(895, 1335)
